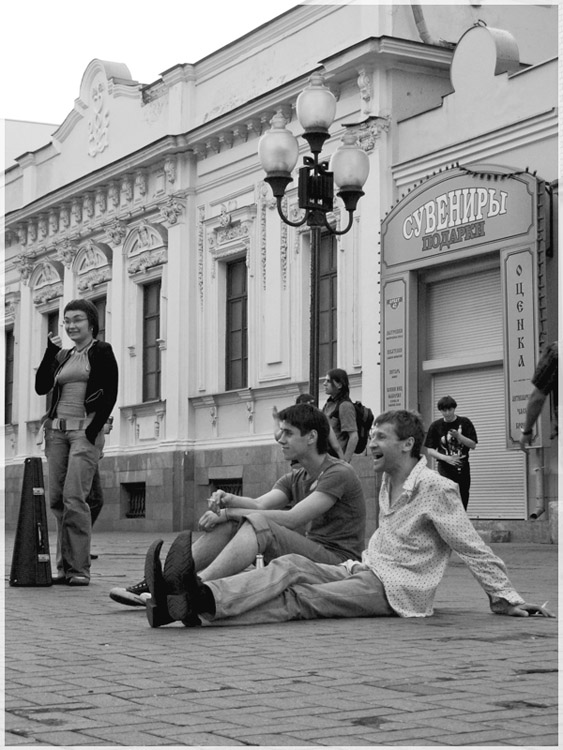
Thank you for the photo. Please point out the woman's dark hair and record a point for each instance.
(340, 377)
(89, 309)
(406, 424)
(306, 417)
(446, 402)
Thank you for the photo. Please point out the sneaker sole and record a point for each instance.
(177, 567)
(134, 601)
(156, 607)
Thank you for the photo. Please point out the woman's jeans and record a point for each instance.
(293, 587)
(72, 461)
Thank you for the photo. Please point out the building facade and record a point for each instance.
(470, 269)
(150, 201)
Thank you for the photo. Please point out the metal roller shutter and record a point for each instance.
(464, 313)
(498, 475)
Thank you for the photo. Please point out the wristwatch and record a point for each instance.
(526, 432)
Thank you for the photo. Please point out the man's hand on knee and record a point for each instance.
(210, 520)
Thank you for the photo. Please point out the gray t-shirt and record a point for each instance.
(342, 528)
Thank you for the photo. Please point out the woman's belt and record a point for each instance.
(69, 424)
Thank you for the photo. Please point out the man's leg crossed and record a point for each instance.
(292, 588)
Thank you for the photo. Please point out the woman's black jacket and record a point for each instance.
(101, 389)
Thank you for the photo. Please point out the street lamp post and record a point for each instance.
(348, 169)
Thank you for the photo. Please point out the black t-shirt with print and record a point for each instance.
(439, 438)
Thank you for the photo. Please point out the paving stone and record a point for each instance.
(456, 678)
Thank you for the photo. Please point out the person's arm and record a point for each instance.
(454, 527)
(351, 445)
(274, 499)
(536, 401)
(349, 427)
(107, 364)
(334, 444)
(44, 377)
(452, 460)
(311, 507)
(464, 440)
(276, 418)
(239, 506)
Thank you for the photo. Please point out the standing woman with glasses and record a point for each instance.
(341, 414)
(84, 385)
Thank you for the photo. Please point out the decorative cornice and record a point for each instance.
(481, 148)
(103, 177)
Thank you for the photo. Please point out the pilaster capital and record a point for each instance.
(116, 231)
(171, 210)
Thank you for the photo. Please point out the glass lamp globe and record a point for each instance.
(316, 105)
(349, 164)
(278, 149)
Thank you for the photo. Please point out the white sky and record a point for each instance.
(46, 46)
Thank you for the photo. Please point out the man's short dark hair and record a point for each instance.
(305, 398)
(306, 417)
(446, 402)
(89, 309)
(407, 424)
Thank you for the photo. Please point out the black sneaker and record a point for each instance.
(133, 596)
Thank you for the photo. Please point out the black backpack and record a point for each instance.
(364, 421)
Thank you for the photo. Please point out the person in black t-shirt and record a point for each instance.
(449, 441)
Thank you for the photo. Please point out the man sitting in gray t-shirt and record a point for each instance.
(324, 495)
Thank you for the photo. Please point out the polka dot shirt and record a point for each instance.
(409, 552)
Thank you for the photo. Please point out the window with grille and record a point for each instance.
(135, 499)
(9, 377)
(237, 331)
(151, 349)
(327, 304)
(232, 486)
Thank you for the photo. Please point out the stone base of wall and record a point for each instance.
(167, 479)
(178, 483)
(536, 532)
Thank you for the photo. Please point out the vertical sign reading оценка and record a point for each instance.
(394, 324)
(520, 290)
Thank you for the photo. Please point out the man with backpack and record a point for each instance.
(324, 495)
(350, 422)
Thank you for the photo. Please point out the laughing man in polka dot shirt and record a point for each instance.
(421, 521)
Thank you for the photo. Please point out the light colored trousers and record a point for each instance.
(72, 461)
(293, 587)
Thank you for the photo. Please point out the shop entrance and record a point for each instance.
(461, 350)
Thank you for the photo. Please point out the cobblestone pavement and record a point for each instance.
(82, 670)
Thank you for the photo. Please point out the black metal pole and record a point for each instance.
(314, 314)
